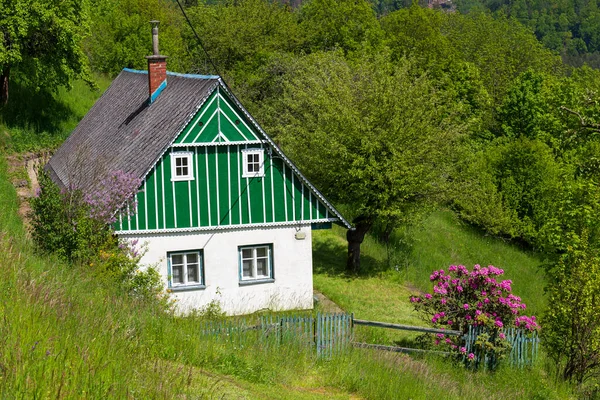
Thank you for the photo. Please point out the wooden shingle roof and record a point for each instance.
(124, 132)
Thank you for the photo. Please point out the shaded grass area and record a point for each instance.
(36, 120)
(413, 253)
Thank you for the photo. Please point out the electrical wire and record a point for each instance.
(198, 39)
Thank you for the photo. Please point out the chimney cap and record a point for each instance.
(154, 23)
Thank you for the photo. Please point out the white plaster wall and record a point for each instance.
(292, 266)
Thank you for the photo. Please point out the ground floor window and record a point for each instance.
(256, 263)
(185, 269)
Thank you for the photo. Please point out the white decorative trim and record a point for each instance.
(227, 227)
(207, 144)
(190, 160)
(261, 162)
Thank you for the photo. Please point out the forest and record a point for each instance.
(490, 108)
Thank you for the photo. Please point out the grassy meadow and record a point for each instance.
(64, 334)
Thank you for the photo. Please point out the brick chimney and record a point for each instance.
(157, 66)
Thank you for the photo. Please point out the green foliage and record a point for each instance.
(367, 147)
(41, 39)
(572, 324)
(241, 36)
(62, 224)
(347, 25)
(121, 35)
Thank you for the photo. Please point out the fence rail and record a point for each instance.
(331, 334)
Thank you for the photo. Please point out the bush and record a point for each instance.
(77, 228)
(463, 298)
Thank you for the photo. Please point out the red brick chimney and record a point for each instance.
(157, 66)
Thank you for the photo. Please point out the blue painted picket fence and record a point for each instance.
(524, 347)
(331, 334)
(328, 334)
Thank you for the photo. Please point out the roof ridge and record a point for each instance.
(170, 73)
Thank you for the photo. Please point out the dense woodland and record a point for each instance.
(387, 107)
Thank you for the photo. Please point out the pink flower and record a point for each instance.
(498, 323)
(427, 296)
(466, 306)
(502, 336)
(471, 356)
(463, 350)
(459, 288)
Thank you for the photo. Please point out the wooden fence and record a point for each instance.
(331, 334)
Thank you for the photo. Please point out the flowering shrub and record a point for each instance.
(76, 226)
(463, 298)
(116, 191)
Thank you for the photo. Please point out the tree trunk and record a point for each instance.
(355, 237)
(4, 85)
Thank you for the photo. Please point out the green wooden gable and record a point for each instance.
(217, 122)
(219, 196)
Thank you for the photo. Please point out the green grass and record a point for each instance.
(392, 274)
(39, 120)
(389, 274)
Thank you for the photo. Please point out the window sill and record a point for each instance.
(256, 282)
(256, 175)
(186, 288)
(182, 179)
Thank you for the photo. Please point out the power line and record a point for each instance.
(198, 39)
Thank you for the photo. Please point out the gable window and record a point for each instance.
(254, 163)
(186, 270)
(181, 166)
(256, 263)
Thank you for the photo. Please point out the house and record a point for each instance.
(225, 216)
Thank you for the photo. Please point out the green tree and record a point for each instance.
(241, 36)
(571, 332)
(121, 35)
(345, 24)
(374, 135)
(42, 40)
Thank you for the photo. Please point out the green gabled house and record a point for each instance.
(223, 213)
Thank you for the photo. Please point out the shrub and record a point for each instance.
(463, 298)
(77, 228)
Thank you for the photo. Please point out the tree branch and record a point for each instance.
(584, 124)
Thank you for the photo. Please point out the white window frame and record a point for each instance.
(255, 278)
(188, 155)
(185, 284)
(261, 163)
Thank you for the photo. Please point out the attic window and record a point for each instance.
(254, 162)
(181, 166)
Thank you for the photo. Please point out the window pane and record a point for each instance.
(192, 258)
(262, 267)
(177, 274)
(261, 252)
(192, 273)
(177, 259)
(247, 269)
(247, 253)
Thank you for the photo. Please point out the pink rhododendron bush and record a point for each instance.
(477, 298)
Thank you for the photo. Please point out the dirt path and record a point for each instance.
(22, 170)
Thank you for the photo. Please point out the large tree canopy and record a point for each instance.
(372, 135)
(42, 39)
